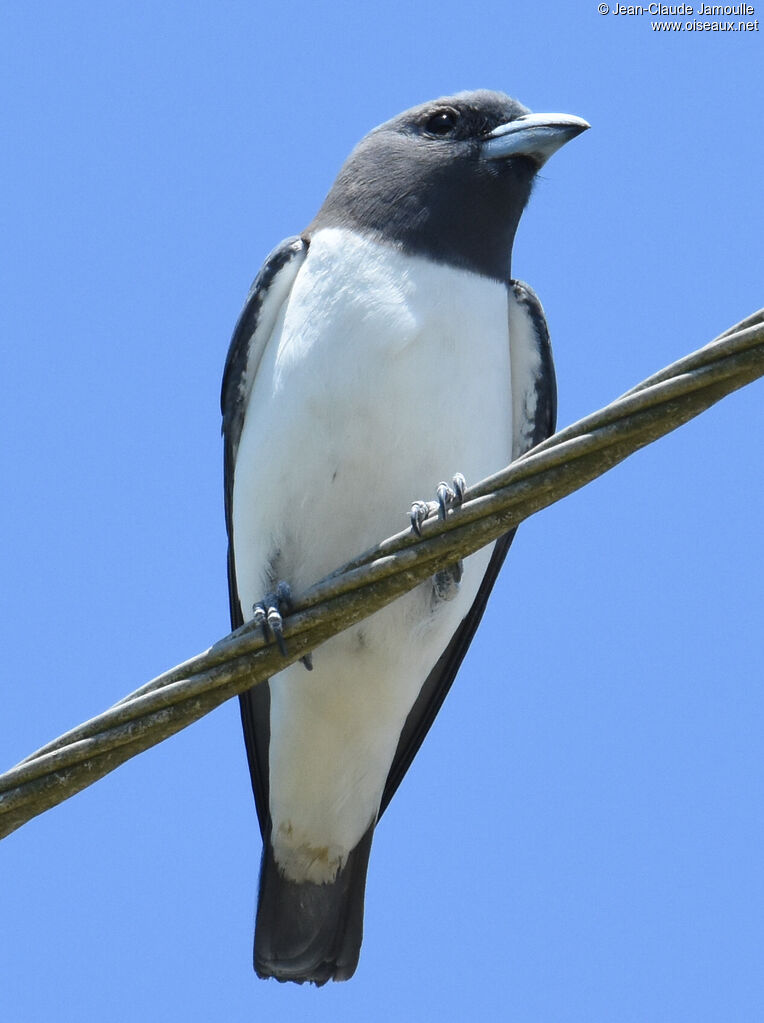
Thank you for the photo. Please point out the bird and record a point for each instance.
(384, 347)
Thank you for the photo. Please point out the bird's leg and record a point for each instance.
(268, 615)
(445, 584)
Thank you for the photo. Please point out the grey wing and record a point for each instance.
(265, 300)
(534, 385)
(534, 415)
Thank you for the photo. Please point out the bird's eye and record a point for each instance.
(442, 122)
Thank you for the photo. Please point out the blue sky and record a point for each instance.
(581, 836)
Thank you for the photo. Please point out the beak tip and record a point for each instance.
(535, 135)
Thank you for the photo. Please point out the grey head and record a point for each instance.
(448, 179)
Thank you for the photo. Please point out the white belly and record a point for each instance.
(358, 408)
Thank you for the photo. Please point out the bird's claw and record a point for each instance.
(460, 486)
(268, 615)
(449, 496)
(419, 512)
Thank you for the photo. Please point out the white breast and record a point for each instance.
(384, 374)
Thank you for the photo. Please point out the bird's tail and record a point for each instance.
(311, 932)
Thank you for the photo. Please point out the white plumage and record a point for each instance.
(377, 379)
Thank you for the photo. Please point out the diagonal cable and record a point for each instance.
(555, 468)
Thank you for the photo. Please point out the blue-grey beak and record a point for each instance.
(535, 135)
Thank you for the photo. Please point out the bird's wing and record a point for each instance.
(265, 301)
(534, 413)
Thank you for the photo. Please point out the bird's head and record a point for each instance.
(448, 179)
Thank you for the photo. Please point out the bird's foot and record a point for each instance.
(420, 510)
(448, 496)
(268, 614)
(451, 496)
(445, 584)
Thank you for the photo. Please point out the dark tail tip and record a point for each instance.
(311, 932)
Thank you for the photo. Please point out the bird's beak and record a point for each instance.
(535, 135)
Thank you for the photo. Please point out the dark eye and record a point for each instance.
(441, 123)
